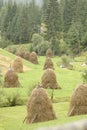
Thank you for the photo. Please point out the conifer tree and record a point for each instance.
(52, 19)
(69, 13)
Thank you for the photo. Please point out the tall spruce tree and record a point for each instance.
(52, 19)
(81, 13)
(44, 8)
(74, 37)
(7, 19)
(34, 17)
(69, 13)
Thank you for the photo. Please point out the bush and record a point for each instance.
(65, 60)
(84, 76)
(4, 43)
(11, 98)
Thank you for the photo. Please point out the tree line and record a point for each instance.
(58, 24)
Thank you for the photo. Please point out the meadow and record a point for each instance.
(13, 100)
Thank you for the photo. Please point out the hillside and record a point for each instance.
(6, 61)
(13, 100)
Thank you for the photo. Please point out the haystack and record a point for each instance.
(48, 63)
(18, 65)
(78, 101)
(49, 53)
(48, 80)
(20, 52)
(27, 56)
(11, 79)
(39, 107)
(33, 58)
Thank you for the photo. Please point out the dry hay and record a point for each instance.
(27, 56)
(39, 107)
(11, 79)
(48, 63)
(33, 58)
(49, 53)
(4, 64)
(20, 52)
(78, 101)
(48, 79)
(18, 65)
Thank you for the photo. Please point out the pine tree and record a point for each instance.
(1, 4)
(52, 19)
(69, 13)
(34, 17)
(81, 13)
(7, 19)
(74, 37)
(44, 8)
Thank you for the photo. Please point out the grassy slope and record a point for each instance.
(11, 118)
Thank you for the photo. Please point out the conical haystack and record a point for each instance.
(78, 101)
(39, 107)
(18, 65)
(11, 79)
(48, 63)
(49, 53)
(27, 56)
(48, 79)
(33, 58)
(20, 52)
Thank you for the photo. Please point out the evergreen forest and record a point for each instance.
(60, 25)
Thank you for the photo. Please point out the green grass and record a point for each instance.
(11, 118)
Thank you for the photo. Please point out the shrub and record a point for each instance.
(11, 98)
(84, 76)
(65, 60)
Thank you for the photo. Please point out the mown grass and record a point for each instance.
(11, 118)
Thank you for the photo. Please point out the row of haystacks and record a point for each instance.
(48, 79)
(39, 106)
(21, 51)
(32, 57)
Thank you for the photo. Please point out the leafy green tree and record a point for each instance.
(37, 40)
(55, 45)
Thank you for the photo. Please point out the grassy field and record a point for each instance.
(11, 118)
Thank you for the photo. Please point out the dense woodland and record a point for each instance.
(60, 25)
